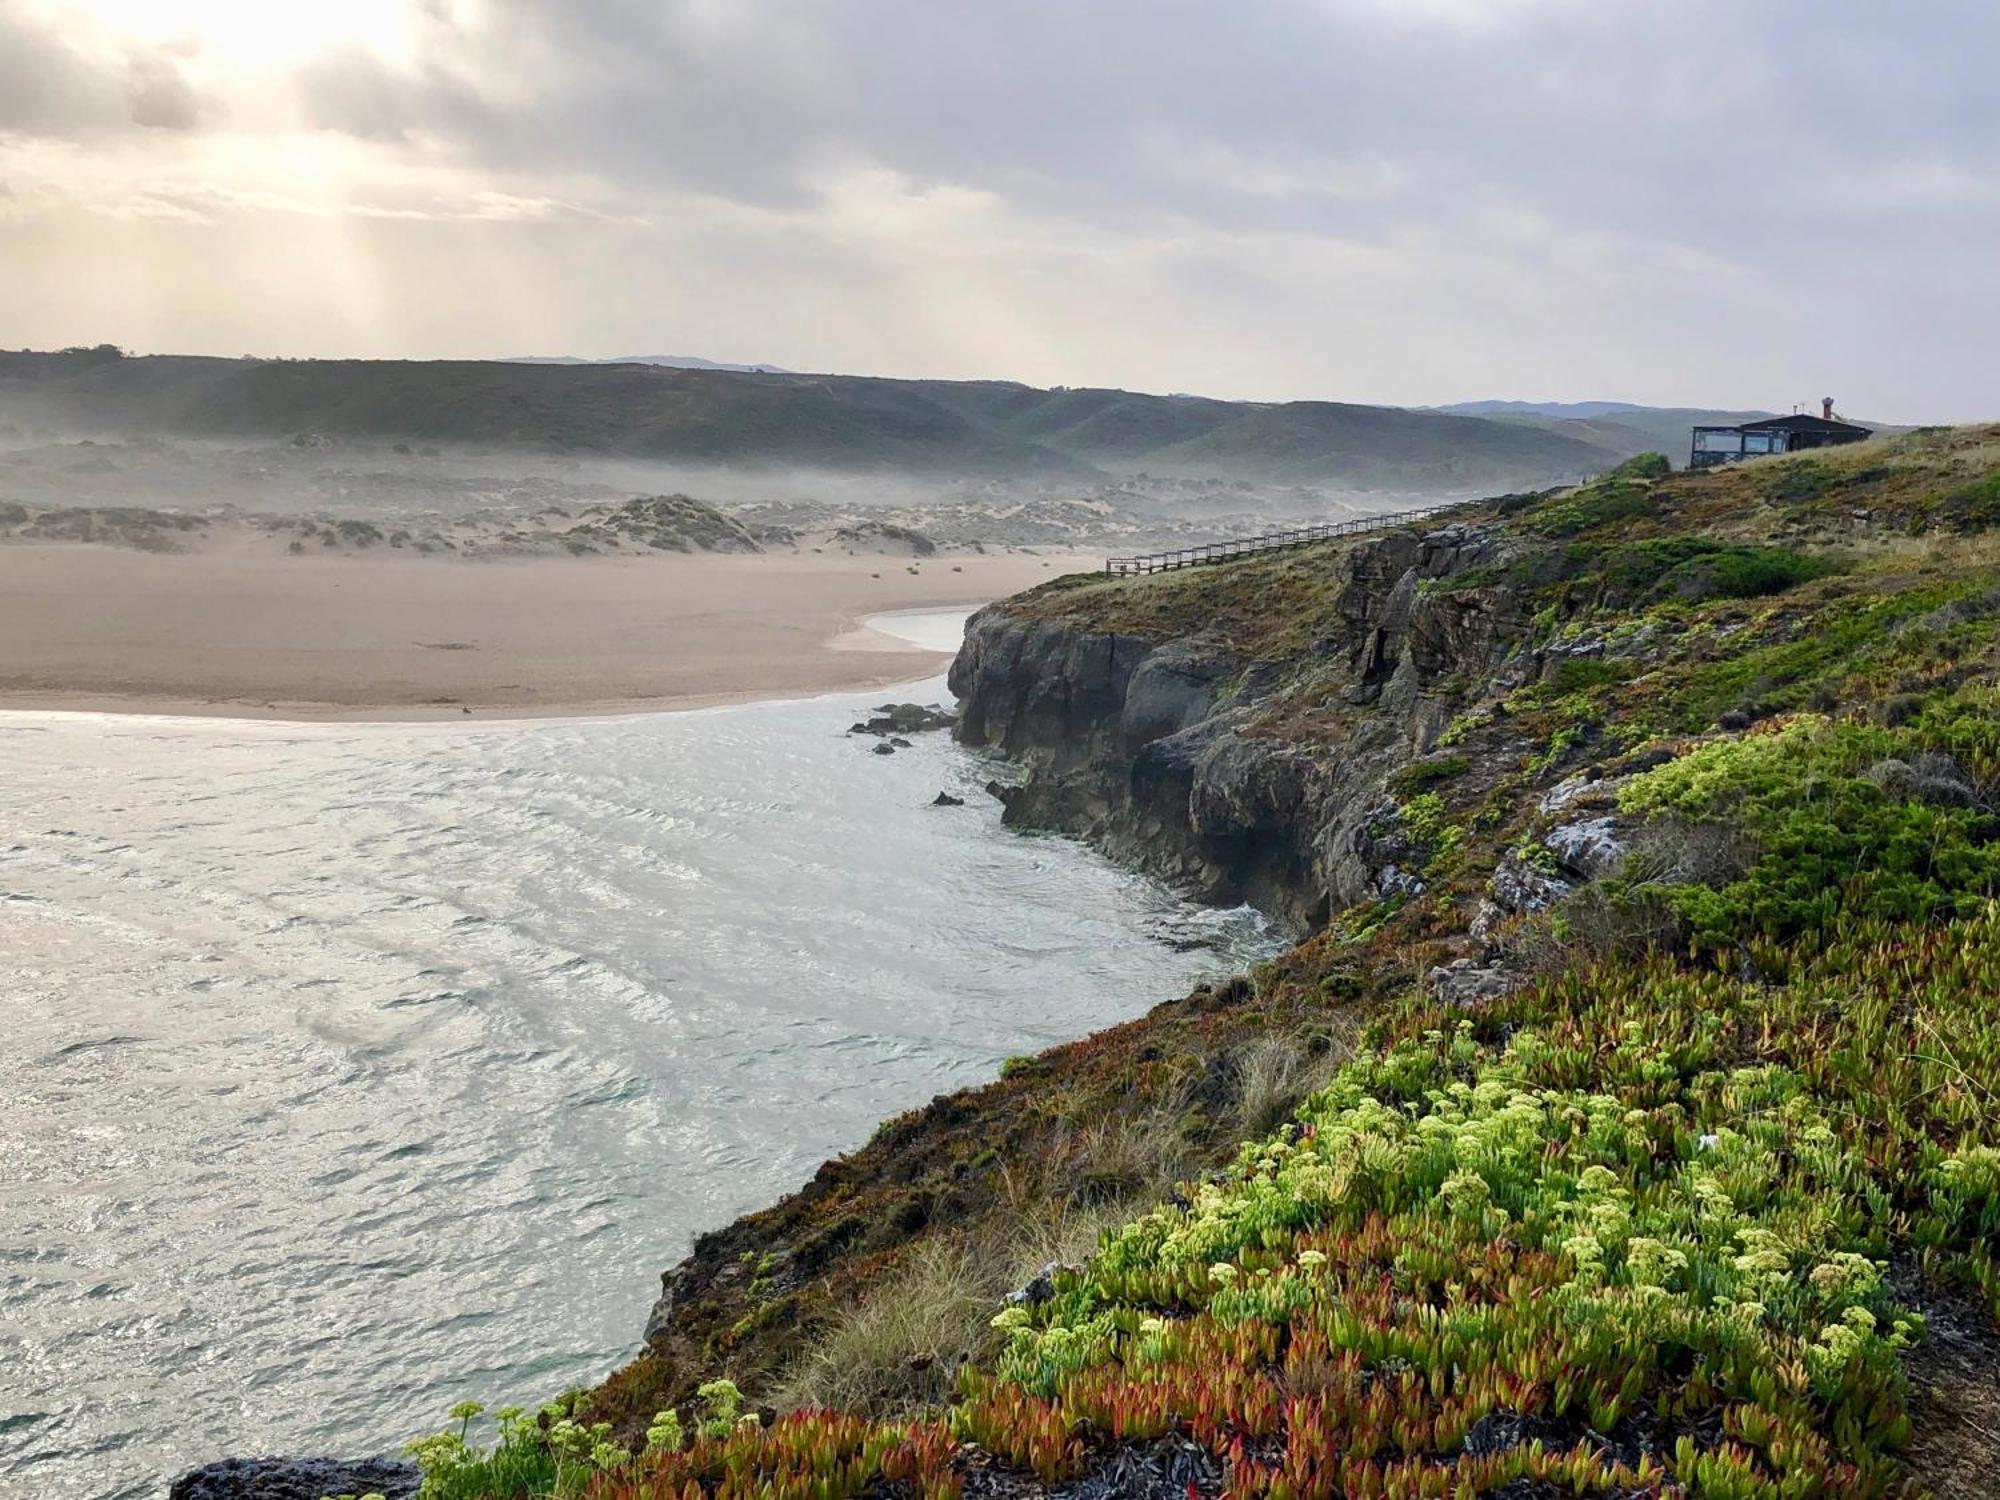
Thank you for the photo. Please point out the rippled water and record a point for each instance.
(352, 1070)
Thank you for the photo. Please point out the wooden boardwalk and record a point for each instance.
(1275, 541)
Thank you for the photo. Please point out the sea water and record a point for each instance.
(350, 1071)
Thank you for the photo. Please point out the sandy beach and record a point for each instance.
(388, 637)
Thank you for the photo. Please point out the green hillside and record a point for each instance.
(827, 421)
(1631, 1130)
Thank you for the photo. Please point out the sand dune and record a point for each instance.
(391, 637)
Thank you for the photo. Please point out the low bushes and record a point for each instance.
(1969, 507)
(1609, 500)
(1835, 826)
(1644, 466)
(1635, 1230)
(1703, 567)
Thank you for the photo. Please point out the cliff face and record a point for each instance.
(1185, 755)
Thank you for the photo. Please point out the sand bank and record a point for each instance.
(389, 637)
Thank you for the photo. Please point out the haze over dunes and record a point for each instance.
(994, 428)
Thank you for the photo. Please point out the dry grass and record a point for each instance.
(1273, 1076)
(900, 1348)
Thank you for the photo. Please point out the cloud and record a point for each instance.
(44, 86)
(162, 98)
(1392, 199)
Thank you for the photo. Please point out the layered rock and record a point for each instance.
(1173, 754)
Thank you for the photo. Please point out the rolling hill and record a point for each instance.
(838, 422)
(1619, 427)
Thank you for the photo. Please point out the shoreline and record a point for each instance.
(308, 715)
(97, 631)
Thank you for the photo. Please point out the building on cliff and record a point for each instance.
(1722, 445)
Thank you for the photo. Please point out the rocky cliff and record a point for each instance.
(1180, 753)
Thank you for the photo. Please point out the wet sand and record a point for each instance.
(386, 637)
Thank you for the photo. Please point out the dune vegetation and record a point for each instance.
(1704, 1200)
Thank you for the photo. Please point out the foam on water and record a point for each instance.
(354, 1070)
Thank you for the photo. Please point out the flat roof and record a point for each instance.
(1798, 423)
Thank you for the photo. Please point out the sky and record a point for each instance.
(1736, 203)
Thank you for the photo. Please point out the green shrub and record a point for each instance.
(1752, 572)
(1800, 480)
(1632, 1192)
(1844, 637)
(1831, 838)
(1601, 504)
(1699, 567)
(1644, 466)
(533, 1455)
(1414, 779)
(1428, 826)
(1579, 673)
(1970, 507)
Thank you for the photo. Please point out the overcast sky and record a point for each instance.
(1716, 202)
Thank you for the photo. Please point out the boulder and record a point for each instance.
(1463, 982)
(1928, 777)
(1485, 918)
(297, 1479)
(945, 799)
(1519, 887)
(1590, 849)
(1041, 1287)
(1565, 792)
(675, 1285)
(1175, 687)
(1390, 881)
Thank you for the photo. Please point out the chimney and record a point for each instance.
(1826, 407)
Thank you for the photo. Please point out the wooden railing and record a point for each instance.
(1275, 541)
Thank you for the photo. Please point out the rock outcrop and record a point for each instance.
(1173, 754)
(297, 1479)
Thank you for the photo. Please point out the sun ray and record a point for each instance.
(251, 32)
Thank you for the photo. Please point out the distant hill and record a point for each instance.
(671, 361)
(1563, 409)
(843, 422)
(1618, 427)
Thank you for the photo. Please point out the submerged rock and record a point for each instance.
(945, 799)
(905, 718)
(297, 1479)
